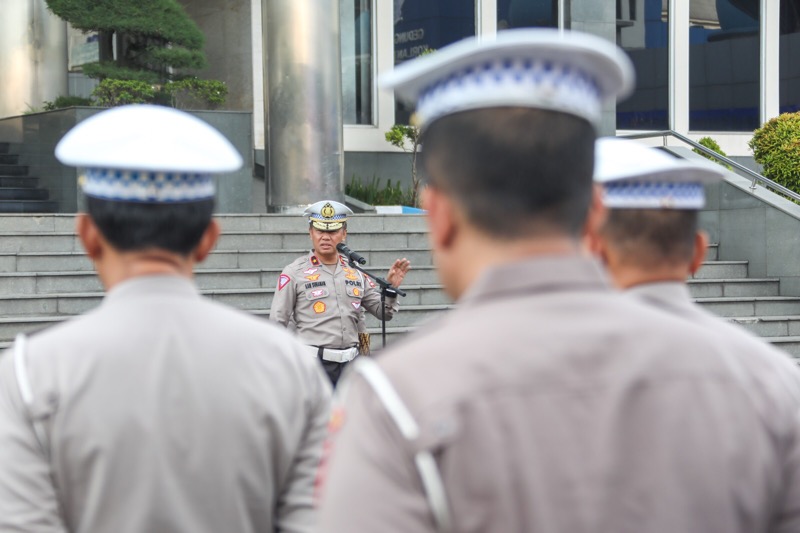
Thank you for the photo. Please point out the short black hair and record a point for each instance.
(516, 172)
(131, 226)
(649, 238)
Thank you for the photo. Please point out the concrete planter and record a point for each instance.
(35, 136)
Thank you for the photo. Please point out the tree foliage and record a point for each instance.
(152, 36)
(776, 147)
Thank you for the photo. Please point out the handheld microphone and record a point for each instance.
(350, 254)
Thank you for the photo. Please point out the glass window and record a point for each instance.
(723, 65)
(644, 36)
(356, 37)
(526, 14)
(421, 25)
(789, 54)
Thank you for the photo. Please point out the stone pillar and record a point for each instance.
(303, 103)
(600, 19)
(33, 56)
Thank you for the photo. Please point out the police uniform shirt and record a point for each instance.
(161, 411)
(553, 404)
(326, 301)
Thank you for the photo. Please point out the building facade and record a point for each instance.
(704, 67)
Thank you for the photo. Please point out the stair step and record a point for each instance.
(218, 259)
(66, 241)
(8, 159)
(74, 303)
(26, 283)
(26, 182)
(411, 315)
(790, 345)
(28, 206)
(717, 288)
(752, 306)
(770, 326)
(13, 170)
(23, 193)
(722, 270)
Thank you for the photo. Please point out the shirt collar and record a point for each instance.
(163, 285)
(541, 274)
(664, 294)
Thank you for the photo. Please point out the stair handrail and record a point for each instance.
(755, 177)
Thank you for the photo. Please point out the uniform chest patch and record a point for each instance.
(315, 284)
(354, 291)
(319, 307)
(310, 270)
(313, 277)
(283, 281)
(356, 305)
(351, 276)
(316, 294)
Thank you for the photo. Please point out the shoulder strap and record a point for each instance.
(426, 465)
(26, 391)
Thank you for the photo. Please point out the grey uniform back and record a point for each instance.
(162, 411)
(553, 405)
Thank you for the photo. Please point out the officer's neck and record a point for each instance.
(117, 267)
(329, 260)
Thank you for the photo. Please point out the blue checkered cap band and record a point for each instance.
(653, 195)
(513, 82)
(149, 187)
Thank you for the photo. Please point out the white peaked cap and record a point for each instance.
(570, 72)
(635, 176)
(327, 215)
(147, 153)
(148, 137)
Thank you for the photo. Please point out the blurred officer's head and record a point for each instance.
(653, 200)
(508, 131)
(148, 181)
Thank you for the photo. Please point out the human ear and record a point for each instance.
(207, 241)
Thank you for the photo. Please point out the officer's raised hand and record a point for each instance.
(398, 271)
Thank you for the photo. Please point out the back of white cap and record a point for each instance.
(148, 153)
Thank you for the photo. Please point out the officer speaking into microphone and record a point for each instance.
(325, 297)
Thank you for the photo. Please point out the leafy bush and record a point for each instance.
(66, 101)
(110, 93)
(711, 144)
(196, 93)
(374, 194)
(776, 147)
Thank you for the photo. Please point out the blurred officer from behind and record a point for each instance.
(545, 401)
(650, 243)
(326, 298)
(159, 410)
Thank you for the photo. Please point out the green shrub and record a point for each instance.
(375, 194)
(111, 93)
(776, 147)
(67, 101)
(711, 144)
(196, 93)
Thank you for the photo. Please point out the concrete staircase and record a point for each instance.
(45, 278)
(19, 192)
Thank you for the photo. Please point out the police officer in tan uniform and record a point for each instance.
(325, 298)
(546, 401)
(159, 410)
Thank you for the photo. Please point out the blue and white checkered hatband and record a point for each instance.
(653, 195)
(513, 82)
(148, 187)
